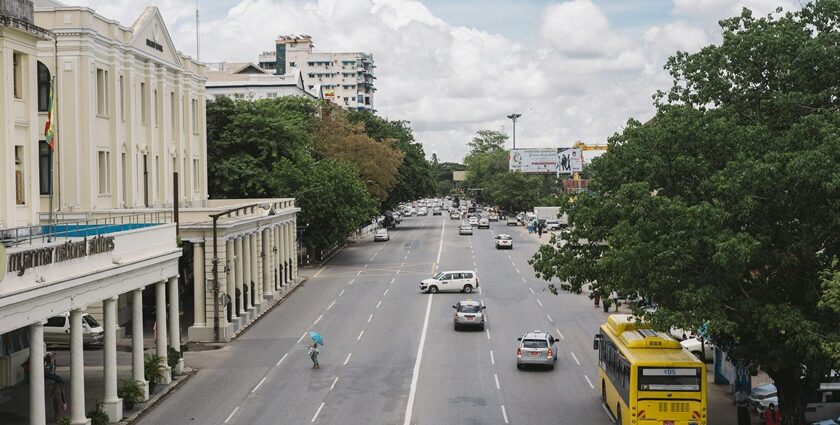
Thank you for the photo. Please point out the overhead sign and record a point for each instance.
(533, 161)
(459, 176)
(18, 262)
(569, 161)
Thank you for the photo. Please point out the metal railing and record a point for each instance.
(28, 235)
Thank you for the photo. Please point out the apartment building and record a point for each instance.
(345, 78)
(247, 81)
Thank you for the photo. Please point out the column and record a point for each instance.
(175, 322)
(268, 293)
(160, 321)
(37, 412)
(238, 275)
(231, 282)
(77, 371)
(290, 249)
(278, 283)
(112, 404)
(137, 363)
(200, 316)
(283, 254)
(246, 271)
(293, 237)
(252, 242)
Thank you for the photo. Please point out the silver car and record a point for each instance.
(57, 330)
(483, 223)
(465, 229)
(536, 348)
(504, 242)
(469, 313)
(381, 235)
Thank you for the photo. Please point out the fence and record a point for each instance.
(28, 235)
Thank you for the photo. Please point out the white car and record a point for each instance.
(473, 221)
(504, 242)
(465, 229)
(483, 223)
(701, 350)
(451, 281)
(381, 235)
(57, 330)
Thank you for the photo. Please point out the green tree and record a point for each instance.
(487, 141)
(724, 208)
(514, 191)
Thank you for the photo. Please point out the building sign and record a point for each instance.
(533, 161)
(70, 250)
(154, 44)
(569, 161)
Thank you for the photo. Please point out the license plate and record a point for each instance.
(536, 353)
(668, 423)
(469, 317)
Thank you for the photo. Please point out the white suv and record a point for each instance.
(451, 281)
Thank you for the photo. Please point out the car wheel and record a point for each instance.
(433, 289)
(467, 289)
(456, 327)
(519, 366)
(551, 367)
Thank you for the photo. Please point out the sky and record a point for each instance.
(575, 69)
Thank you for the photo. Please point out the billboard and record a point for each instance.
(533, 161)
(459, 176)
(569, 161)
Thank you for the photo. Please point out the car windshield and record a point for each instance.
(439, 276)
(470, 308)
(534, 343)
(91, 322)
(505, 238)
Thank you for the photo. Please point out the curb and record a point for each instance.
(158, 398)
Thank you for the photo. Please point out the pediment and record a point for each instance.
(152, 37)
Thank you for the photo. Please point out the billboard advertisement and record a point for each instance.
(533, 161)
(569, 161)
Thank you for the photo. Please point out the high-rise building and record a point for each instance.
(345, 78)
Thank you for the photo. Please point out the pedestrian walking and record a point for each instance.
(597, 297)
(614, 299)
(313, 354)
(59, 404)
(540, 229)
(772, 415)
(743, 405)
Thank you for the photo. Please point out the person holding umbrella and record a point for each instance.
(313, 349)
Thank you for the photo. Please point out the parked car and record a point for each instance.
(504, 242)
(465, 229)
(835, 421)
(552, 224)
(483, 223)
(451, 281)
(761, 397)
(512, 221)
(536, 348)
(702, 350)
(57, 330)
(469, 313)
(381, 235)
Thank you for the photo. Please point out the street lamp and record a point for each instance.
(514, 117)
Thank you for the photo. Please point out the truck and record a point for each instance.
(551, 213)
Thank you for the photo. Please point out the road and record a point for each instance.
(391, 355)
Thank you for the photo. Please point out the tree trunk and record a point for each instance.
(792, 396)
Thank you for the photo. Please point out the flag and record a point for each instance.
(49, 128)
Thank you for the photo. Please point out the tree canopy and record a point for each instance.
(724, 208)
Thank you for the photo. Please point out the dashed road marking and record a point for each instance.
(393, 279)
(524, 281)
(386, 292)
(504, 414)
(589, 382)
(281, 359)
(492, 358)
(360, 335)
(347, 359)
(318, 319)
(560, 334)
(341, 293)
(231, 414)
(549, 318)
(302, 337)
(488, 333)
(496, 377)
(318, 411)
(360, 272)
(351, 281)
(576, 359)
(319, 272)
(531, 289)
(379, 304)
(333, 384)
(539, 302)
(258, 385)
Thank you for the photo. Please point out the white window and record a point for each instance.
(104, 172)
(239, 95)
(17, 74)
(144, 107)
(101, 92)
(122, 99)
(195, 116)
(20, 181)
(195, 174)
(271, 95)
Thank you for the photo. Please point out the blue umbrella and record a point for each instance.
(316, 337)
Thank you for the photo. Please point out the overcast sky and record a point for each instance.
(575, 70)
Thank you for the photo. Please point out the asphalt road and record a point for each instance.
(391, 355)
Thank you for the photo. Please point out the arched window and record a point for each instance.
(43, 87)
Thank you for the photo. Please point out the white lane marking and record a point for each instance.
(492, 358)
(333, 384)
(504, 414)
(539, 302)
(258, 385)
(560, 334)
(347, 359)
(589, 382)
(479, 289)
(341, 293)
(531, 289)
(607, 411)
(371, 259)
(393, 279)
(576, 359)
(318, 411)
(509, 256)
(370, 318)
(331, 305)
(302, 337)
(488, 333)
(281, 359)
(319, 272)
(514, 264)
(386, 292)
(379, 304)
(549, 318)
(524, 281)
(415, 375)
(360, 335)
(496, 377)
(317, 320)
(351, 281)
(360, 272)
(231, 414)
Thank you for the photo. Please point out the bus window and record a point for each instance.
(669, 379)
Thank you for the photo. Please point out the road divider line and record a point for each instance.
(504, 414)
(360, 272)
(609, 414)
(351, 281)
(415, 375)
(539, 302)
(301, 337)
(281, 359)
(258, 385)
(347, 359)
(360, 335)
(331, 305)
(319, 272)
(560, 334)
(370, 318)
(531, 289)
(576, 359)
(393, 279)
(341, 293)
(549, 318)
(589, 382)
(333, 384)
(488, 333)
(496, 377)
(386, 292)
(231, 414)
(317, 320)
(525, 281)
(318, 411)
(379, 304)
(492, 358)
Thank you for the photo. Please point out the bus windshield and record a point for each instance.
(669, 379)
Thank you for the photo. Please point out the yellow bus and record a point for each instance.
(646, 377)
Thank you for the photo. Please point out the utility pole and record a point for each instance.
(514, 117)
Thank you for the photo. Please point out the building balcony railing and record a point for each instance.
(102, 225)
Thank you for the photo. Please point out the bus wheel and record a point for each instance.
(618, 415)
(603, 391)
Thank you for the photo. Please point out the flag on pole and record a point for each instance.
(49, 128)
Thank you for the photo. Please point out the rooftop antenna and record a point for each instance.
(197, 37)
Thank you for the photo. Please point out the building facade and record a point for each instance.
(247, 81)
(346, 78)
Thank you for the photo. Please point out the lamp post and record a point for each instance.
(514, 117)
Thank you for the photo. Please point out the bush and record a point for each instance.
(173, 356)
(99, 416)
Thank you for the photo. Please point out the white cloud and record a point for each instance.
(717, 9)
(580, 79)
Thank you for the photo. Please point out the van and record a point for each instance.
(57, 330)
(451, 281)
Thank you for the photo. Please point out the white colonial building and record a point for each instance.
(247, 81)
(116, 220)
